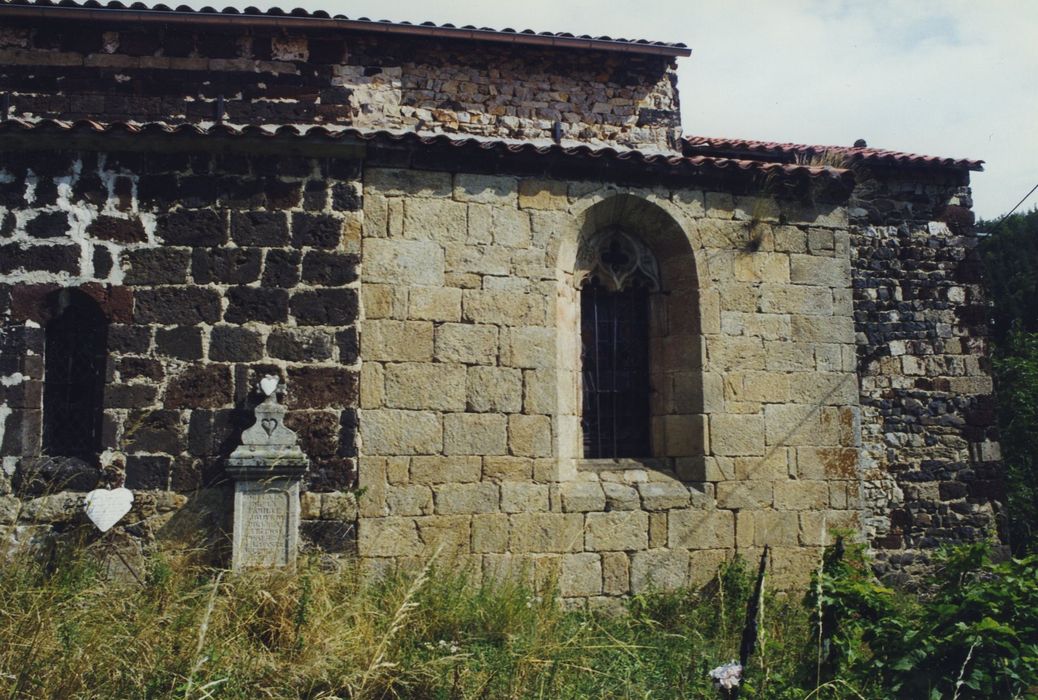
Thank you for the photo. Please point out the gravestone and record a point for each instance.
(267, 468)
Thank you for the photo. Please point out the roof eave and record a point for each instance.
(144, 16)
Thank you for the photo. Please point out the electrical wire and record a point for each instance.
(1006, 216)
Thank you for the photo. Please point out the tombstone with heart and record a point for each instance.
(267, 468)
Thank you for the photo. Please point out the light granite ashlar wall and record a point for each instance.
(469, 409)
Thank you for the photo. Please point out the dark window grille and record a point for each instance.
(73, 388)
(615, 353)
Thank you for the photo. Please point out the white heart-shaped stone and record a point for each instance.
(268, 384)
(106, 507)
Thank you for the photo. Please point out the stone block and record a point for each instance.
(616, 573)
(546, 532)
(735, 353)
(434, 304)
(529, 348)
(663, 495)
(385, 301)
(659, 570)
(529, 436)
(737, 435)
(540, 391)
(395, 432)
(445, 470)
(475, 434)
(388, 537)
(401, 341)
(685, 435)
(823, 329)
(782, 356)
(409, 500)
(502, 307)
(701, 529)
(455, 499)
(435, 220)
(796, 299)
(486, 189)
(617, 531)
(508, 468)
(299, 344)
(489, 532)
(493, 390)
(581, 575)
(773, 465)
(703, 565)
(817, 527)
(827, 463)
(420, 385)
(511, 228)
(403, 183)
(543, 194)
(621, 496)
(403, 262)
(791, 567)
(582, 496)
(372, 385)
(466, 343)
(449, 535)
(775, 528)
(744, 494)
(522, 497)
(325, 307)
(795, 424)
(316, 230)
(801, 495)
(817, 270)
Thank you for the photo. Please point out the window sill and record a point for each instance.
(623, 464)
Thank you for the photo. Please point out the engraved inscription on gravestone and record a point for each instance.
(267, 468)
(268, 512)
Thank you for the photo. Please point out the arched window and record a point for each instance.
(621, 273)
(74, 376)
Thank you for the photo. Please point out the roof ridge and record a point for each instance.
(142, 11)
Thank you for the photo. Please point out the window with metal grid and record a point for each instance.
(74, 365)
(620, 274)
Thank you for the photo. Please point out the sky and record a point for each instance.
(954, 78)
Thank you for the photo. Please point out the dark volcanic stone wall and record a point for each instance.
(211, 270)
(930, 448)
(117, 72)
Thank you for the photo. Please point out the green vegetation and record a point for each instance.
(324, 632)
(1010, 257)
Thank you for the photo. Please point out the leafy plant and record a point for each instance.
(975, 636)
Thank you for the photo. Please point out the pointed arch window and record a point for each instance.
(75, 353)
(620, 273)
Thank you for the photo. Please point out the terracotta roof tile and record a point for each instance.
(139, 11)
(801, 153)
(690, 164)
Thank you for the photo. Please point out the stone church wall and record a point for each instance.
(211, 271)
(467, 402)
(930, 450)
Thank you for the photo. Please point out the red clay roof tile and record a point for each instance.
(804, 153)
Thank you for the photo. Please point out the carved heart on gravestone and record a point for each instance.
(106, 507)
(268, 384)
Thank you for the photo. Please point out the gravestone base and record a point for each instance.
(266, 523)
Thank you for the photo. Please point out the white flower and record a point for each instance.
(728, 675)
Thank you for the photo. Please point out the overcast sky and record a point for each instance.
(941, 77)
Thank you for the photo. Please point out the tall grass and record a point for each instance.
(330, 632)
